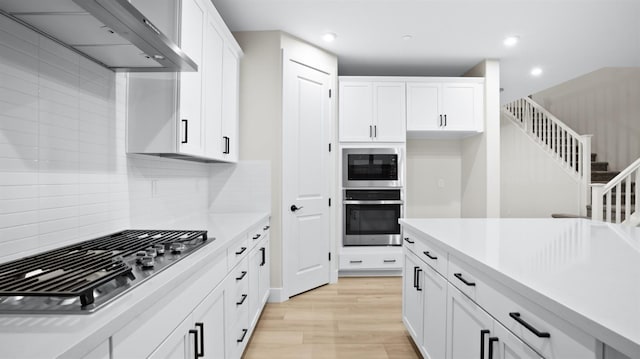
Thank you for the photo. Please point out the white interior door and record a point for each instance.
(305, 183)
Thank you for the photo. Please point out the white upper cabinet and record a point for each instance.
(455, 106)
(372, 111)
(188, 114)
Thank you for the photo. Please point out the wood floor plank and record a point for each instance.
(354, 318)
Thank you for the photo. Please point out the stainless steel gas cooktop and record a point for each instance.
(81, 278)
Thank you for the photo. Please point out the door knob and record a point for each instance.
(295, 208)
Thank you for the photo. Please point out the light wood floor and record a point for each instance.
(355, 318)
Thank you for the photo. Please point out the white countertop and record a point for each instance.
(586, 272)
(68, 336)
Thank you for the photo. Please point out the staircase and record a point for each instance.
(613, 194)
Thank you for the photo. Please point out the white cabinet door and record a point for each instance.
(230, 95)
(435, 313)
(209, 322)
(466, 321)
(255, 259)
(508, 346)
(213, 50)
(423, 106)
(389, 112)
(181, 344)
(356, 111)
(190, 91)
(459, 106)
(412, 297)
(265, 272)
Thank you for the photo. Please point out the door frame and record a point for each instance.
(326, 63)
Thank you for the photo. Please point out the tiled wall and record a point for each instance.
(245, 187)
(64, 172)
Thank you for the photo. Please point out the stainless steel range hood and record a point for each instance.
(112, 33)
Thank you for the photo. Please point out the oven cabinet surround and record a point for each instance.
(162, 316)
(454, 105)
(189, 114)
(371, 111)
(235, 289)
(521, 287)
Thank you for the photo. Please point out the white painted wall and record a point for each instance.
(481, 153)
(533, 183)
(64, 173)
(603, 103)
(241, 187)
(433, 178)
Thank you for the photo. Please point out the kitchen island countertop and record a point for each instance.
(585, 272)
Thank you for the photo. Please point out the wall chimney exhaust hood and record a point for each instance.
(112, 33)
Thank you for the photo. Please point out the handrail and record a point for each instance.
(602, 202)
(570, 149)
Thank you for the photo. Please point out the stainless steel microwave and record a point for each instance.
(372, 167)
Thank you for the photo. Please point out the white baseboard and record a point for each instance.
(276, 295)
(370, 273)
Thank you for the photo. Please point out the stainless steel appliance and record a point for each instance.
(371, 217)
(372, 167)
(84, 277)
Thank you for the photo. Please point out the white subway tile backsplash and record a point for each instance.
(18, 219)
(17, 179)
(18, 205)
(16, 192)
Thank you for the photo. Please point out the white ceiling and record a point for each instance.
(566, 38)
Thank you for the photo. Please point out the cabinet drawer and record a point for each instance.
(549, 341)
(465, 279)
(371, 261)
(258, 233)
(237, 251)
(409, 240)
(432, 255)
(238, 336)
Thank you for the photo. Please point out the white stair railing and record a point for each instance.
(571, 150)
(608, 205)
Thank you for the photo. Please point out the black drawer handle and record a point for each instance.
(244, 334)
(459, 276)
(244, 297)
(256, 236)
(389, 261)
(408, 240)
(241, 251)
(418, 280)
(483, 332)
(539, 334)
(415, 277)
(264, 256)
(355, 262)
(241, 277)
(428, 254)
(266, 228)
(186, 131)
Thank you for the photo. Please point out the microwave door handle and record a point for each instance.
(372, 202)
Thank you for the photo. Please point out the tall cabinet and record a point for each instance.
(188, 114)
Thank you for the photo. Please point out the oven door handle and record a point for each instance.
(372, 202)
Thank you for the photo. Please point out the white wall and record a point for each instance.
(533, 183)
(64, 173)
(241, 187)
(433, 182)
(603, 103)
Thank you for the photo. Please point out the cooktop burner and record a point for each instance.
(84, 277)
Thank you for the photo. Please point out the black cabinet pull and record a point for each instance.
(226, 145)
(483, 332)
(241, 251)
(195, 342)
(428, 254)
(186, 130)
(200, 326)
(418, 280)
(244, 334)
(389, 261)
(264, 256)
(491, 341)
(459, 276)
(375, 130)
(256, 236)
(244, 297)
(370, 131)
(539, 334)
(445, 120)
(241, 277)
(408, 240)
(356, 262)
(440, 120)
(266, 228)
(415, 277)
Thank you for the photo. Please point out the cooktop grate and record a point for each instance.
(79, 270)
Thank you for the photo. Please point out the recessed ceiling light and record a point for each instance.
(536, 71)
(511, 40)
(407, 37)
(329, 37)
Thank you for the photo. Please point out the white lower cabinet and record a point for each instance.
(467, 321)
(259, 279)
(412, 299)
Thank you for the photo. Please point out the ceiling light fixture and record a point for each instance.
(511, 41)
(536, 71)
(329, 37)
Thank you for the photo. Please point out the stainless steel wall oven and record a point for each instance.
(371, 217)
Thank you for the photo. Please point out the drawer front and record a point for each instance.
(432, 255)
(371, 261)
(237, 251)
(547, 340)
(238, 336)
(258, 233)
(409, 240)
(464, 279)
